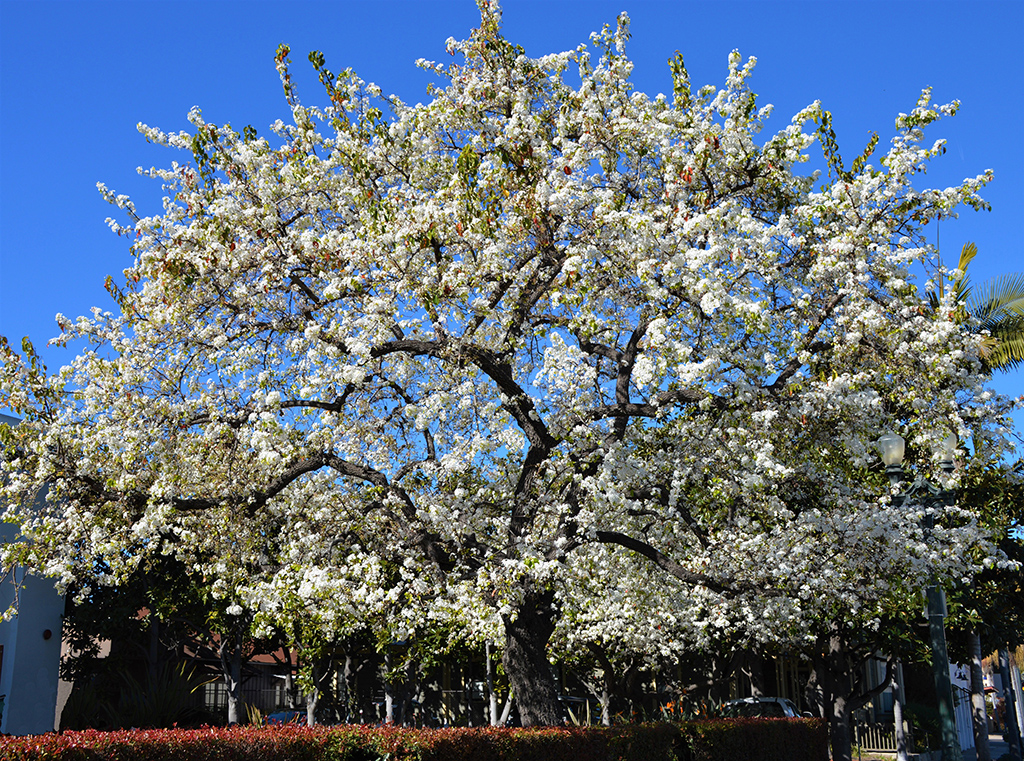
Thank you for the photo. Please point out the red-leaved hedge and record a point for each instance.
(727, 740)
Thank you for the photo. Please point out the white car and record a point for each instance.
(763, 708)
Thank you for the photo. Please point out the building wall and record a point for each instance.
(31, 641)
(29, 669)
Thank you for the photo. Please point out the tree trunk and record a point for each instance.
(813, 693)
(606, 706)
(311, 700)
(897, 714)
(1011, 730)
(836, 686)
(507, 710)
(753, 669)
(231, 663)
(979, 715)
(839, 731)
(153, 656)
(1015, 682)
(492, 696)
(408, 692)
(389, 691)
(607, 688)
(846, 690)
(347, 687)
(320, 673)
(526, 662)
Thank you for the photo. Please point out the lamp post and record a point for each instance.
(926, 494)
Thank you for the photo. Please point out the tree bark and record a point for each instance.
(1015, 683)
(153, 656)
(389, 691)
(231, 663)
(897, 714)
(311, 702)
(320, 672)
(1011, 729)
(526, 662)
(492, 696)
(507, 710)
(838, 721)
(752, 668)
(348, 688)
(979, 715)
(405, 712)
(605, 699)
(813, 692)
(845, 690)
(835, 682)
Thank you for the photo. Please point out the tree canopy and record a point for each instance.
(542, 352)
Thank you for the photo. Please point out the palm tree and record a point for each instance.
(998, 306)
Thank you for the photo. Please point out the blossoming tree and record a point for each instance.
(470, 362)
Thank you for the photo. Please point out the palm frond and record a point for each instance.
(1008, 350)
(967, 253)
(962, 284)
(998, 306)
(998, 299)
(1007, 355)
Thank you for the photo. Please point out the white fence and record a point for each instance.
(962, 711)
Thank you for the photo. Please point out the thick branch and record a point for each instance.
(625, 375)
(518, 403)
(860, 699)
(795, 363)
(663, 561)
(592, 347)
(540, 281)
(650, 409)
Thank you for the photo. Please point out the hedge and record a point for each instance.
(721, 740)
(754, 740)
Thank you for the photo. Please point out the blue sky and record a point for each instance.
(77, 75)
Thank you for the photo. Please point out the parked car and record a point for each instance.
(286, 717)
(764, 708)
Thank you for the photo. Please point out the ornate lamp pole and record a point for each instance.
(926, 494)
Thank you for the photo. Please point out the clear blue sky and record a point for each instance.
(77, 75)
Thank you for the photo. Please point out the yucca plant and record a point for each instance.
(161, 700)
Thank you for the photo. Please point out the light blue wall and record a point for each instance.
(29, 671)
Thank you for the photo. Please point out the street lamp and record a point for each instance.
(922, 492)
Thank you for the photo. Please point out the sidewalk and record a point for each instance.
(996, 748)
